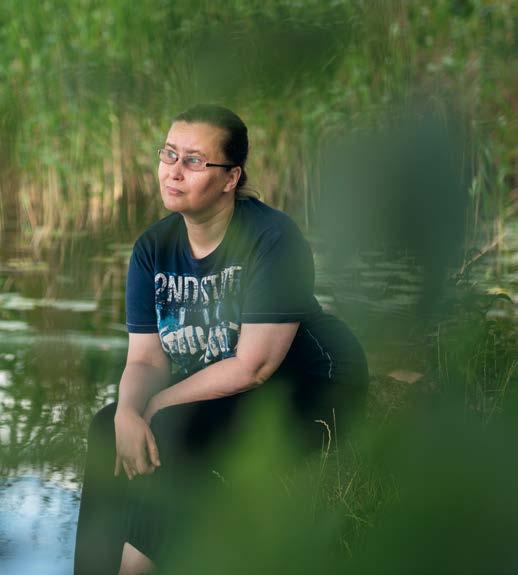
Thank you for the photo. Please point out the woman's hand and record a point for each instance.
(136, 447)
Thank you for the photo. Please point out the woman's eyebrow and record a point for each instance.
(187, 151)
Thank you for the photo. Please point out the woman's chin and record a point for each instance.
(172, 204)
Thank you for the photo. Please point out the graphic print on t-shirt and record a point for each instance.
(198, 317)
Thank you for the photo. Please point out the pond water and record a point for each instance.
(62, 350)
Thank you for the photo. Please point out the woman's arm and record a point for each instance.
(260, 351)
(147, 371)
(145, 374)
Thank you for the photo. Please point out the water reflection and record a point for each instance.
(38, 513)
(49, 389)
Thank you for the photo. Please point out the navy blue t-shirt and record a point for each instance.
(261, 272)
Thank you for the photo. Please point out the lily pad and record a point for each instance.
(14, 301)
(6, 325)
(405, 375)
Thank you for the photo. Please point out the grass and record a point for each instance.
(427, 488)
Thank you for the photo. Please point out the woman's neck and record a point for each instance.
(205, 234)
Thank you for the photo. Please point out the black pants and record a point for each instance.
(153, 510)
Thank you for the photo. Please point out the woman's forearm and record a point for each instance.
(226, 377)
(140, 382)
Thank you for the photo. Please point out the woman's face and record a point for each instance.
(196, 194)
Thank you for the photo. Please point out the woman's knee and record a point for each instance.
(163, 420)
(192, 428)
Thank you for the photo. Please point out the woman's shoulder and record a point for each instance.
(157, 232)
(261, 217)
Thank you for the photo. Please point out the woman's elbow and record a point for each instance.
(258, 374)
(257, 368)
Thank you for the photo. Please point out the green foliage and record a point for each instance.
(96, 83)
(476, 353)
(429, 491)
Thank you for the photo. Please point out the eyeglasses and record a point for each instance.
(194, 163)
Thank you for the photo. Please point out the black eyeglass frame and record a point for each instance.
(206, 165)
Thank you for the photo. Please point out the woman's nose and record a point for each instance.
(176, 169)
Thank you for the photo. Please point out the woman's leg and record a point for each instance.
(115, 511)
(162, 506)
(134, 562)
(327, 377)
(158, 507)
(101, 524)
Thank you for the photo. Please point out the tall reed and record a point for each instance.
(93, 86)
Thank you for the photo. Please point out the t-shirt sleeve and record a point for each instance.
(280, 279)
(140, 291)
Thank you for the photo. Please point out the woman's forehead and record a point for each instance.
(195, 137)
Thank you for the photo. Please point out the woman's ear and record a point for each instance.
(233, 178)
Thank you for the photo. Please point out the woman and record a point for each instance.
(219, 301)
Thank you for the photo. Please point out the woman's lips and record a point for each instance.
(173, 191)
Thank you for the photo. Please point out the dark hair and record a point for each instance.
(235, 146)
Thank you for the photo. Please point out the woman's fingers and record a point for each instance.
(129, 472)
(145, 468)
(146, 460)
(143, 464)
(152, 448)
